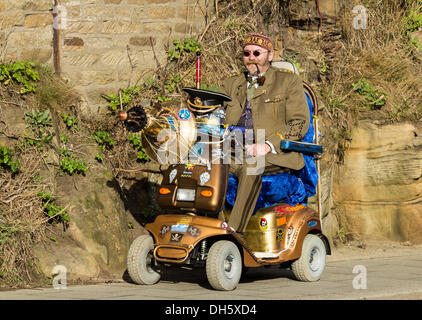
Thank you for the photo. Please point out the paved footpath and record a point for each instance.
(397, 277)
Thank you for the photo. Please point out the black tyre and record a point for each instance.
(311, 264)
(140, 261)
(224, 265)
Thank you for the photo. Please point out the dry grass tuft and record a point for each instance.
(22, 223)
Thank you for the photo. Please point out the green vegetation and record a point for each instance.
(64, 138)
(323, 67)
(171, 84)
(179, 48)
(99, 157)
(22, 72)
(104, 139)
(373, 99)
(70, 164)
(7, 160)
(137, 143)
(39, 122)
(37, 179)
(126, 96)
(412, 23)
(50, 208)
(71, 122)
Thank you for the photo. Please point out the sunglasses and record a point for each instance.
(256, 53)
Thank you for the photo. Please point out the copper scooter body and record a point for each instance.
(279, 229)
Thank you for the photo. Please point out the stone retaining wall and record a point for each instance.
(102, 45)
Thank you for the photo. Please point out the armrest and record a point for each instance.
(301, 146)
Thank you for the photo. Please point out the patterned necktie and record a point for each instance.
(250, 91)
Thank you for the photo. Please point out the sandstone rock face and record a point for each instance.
(96, 243)
(378, 189)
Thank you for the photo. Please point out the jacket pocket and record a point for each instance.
(274, 99)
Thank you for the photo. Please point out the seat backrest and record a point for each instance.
(286, 65)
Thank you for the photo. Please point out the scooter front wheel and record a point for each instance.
(224, 265)
(140, 261)
(311, 264)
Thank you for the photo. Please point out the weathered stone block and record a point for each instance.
(38, 20)
(142, 41)
(36, 55)
(115, 58)
(159, 1)
(182, 27)
(81, 60)
(73, 12)
(74, 43)
(81, 27)
(8, 20)
(136, 2)
(162, 12)
(190, 13)
(130, 13)
(89, 77)
(134, 76)
(112, 1)
(40, 37)
(29, 5)
(143, 59)
(116, 26)
(94, 42)
(97, 13)
(153, 27)
(68, 3)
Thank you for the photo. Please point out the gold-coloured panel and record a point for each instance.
(277, 228)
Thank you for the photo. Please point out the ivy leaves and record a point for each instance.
(21, 72)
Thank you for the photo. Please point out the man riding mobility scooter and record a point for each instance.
(196, 194)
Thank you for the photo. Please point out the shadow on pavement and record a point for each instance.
(198, 275)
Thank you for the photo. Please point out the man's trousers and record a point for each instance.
(248, 189)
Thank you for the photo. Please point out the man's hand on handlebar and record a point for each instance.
(257, 150)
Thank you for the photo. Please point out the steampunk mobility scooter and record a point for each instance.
(193, 231)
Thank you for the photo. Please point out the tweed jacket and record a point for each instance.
(279, 106)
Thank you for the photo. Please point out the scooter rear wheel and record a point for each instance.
(140, 261)
(224, 265)
(311, 264)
